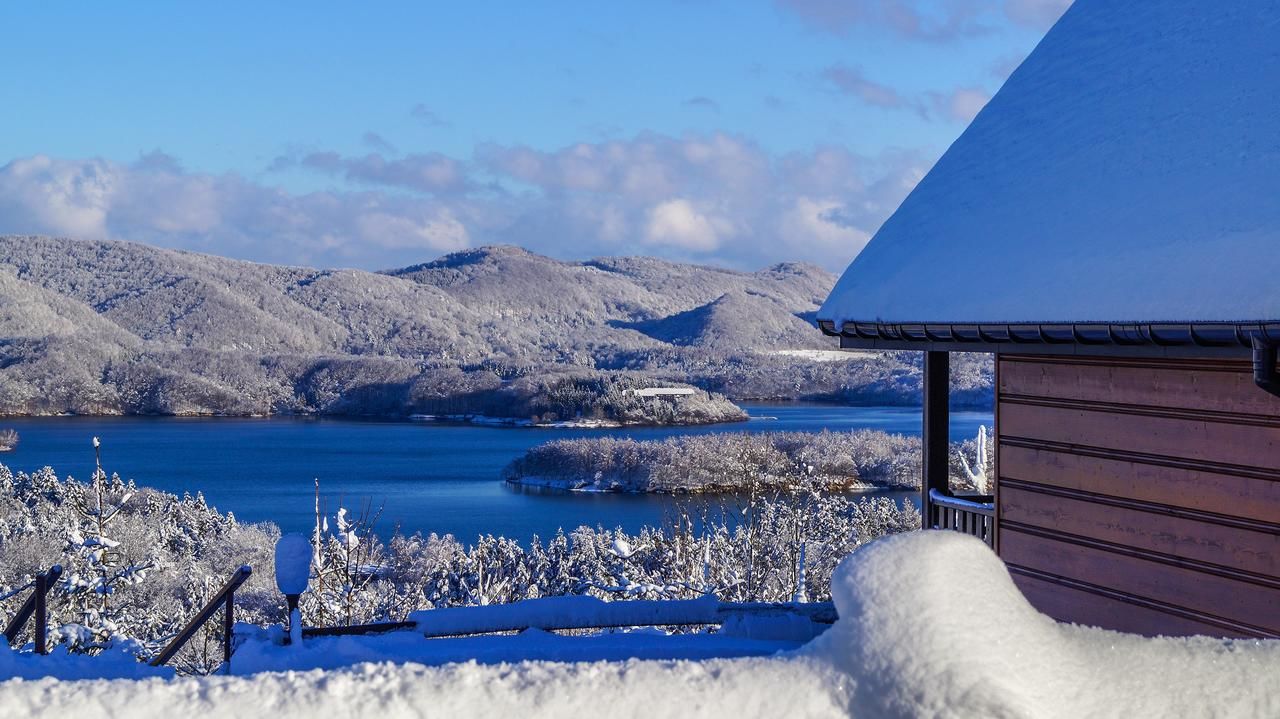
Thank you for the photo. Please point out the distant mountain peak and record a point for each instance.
(467, 257)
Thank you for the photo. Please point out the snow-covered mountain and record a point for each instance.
(106, 327)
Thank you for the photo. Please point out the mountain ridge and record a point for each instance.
(107, 327)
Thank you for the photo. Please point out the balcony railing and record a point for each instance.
(972, 514)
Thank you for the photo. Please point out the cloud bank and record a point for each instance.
(925, 20)
(701, 197)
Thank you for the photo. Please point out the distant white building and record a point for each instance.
(662, 391)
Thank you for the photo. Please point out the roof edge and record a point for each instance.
(1155, 334)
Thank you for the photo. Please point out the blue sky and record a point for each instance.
(739, 133)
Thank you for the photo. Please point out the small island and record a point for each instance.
(8, 440)
(723, 463)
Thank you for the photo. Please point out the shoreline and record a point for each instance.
(467, 419)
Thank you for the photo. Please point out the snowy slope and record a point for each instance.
(933, 626)
(1126, 172)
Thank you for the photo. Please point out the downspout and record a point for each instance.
(1264, 365)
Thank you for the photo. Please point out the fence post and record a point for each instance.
(42, 613)
(228, 621)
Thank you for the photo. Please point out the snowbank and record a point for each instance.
(941, 630)
(117, 664)
(932, 626)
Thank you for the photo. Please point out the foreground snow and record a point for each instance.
(933, 626)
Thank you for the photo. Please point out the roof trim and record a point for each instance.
(1161, 334)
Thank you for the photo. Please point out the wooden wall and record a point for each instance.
(1141, 494)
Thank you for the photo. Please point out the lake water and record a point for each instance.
(440, 478)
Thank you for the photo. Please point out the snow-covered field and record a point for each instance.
(932, 626)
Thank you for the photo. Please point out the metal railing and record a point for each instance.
(225, 597)
(974, 514)
(36, 604)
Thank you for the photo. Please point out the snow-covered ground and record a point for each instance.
(932, 626)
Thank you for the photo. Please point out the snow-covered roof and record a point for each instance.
(1127, 172)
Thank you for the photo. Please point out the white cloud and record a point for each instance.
(817, 222)
(64, 198)
(427, 116)
(925, 20)
(677, 223)
(962, 104)
(851, 81)
(706, 197)
(928, 21)
(958, 105)
(702, 102)
(430, 172)
(442, 232)
(1039, 14)
(378, 143)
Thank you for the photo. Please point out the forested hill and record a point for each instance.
(108, 327)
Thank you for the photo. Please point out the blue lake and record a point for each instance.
(428, 477)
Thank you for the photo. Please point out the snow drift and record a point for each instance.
(939, 629)
(932, 626)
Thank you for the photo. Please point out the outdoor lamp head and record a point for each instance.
(293, 564)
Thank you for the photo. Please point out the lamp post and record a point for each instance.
(293, 570)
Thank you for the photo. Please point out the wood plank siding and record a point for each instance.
(1141, 494)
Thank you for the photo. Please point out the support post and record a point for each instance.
(935, 435)
(42, 614)
(228, 622)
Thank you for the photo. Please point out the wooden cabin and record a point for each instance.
(1109, 229)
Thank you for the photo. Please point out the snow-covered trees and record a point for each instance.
(970, 475)
(778, 545)
(106, 599)
(977, 472)
(97, 565)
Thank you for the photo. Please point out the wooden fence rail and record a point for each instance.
(224, 597)
(36, 604)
